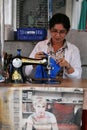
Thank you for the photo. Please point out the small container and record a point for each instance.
(31, 34)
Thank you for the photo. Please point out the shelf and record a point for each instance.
(56, 90)
(19, 41)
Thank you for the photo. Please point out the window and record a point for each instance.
(36, 15)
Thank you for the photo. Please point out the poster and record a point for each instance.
(63, 108)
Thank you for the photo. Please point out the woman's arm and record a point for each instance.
(72, 56)
(55, 126)
(29, 123)
(29, 126)
(39, 47)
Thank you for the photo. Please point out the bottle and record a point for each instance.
(5, 61)
(18, 62)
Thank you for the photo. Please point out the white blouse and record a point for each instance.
(72, 55)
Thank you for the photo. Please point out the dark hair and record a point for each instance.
(60, 18)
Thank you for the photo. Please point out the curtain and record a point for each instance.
(84, 119)
(76, 13)
(83, 16)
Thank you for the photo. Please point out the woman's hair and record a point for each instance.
(60, 18)
(38, 100)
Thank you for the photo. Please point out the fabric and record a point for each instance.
(76, 13)
(78, 117)
(41, 71)
(44, 123)
(72, 55)
(64, 113)
(59, 53)
(84, 119)
(64, 126)
(83, 16)
(1, 78)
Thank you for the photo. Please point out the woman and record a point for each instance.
(41, 119)
(66, 55)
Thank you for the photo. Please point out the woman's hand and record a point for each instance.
(40, 55)
(63, 63)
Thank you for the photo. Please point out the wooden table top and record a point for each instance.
(69, 83)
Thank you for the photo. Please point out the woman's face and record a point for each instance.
(40, 109)
(58, 33)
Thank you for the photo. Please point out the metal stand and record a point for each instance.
(2, 34)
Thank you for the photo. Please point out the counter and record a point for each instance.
(16, 103)
(71, 83)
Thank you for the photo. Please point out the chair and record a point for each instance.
(67, 119)
(84, 71)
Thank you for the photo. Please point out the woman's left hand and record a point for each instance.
(63, 63)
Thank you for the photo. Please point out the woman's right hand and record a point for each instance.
(40, 55)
